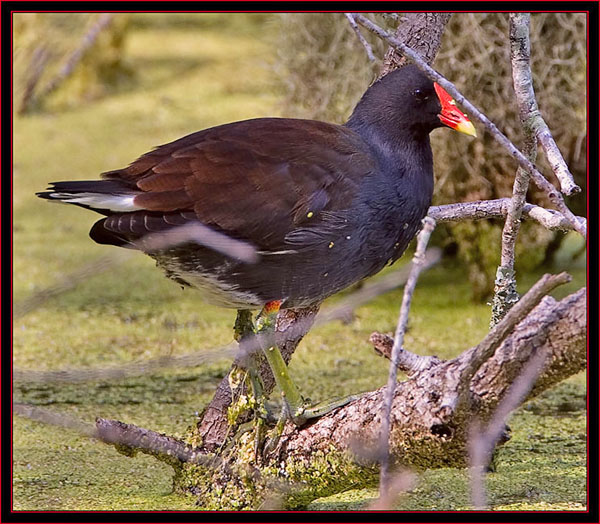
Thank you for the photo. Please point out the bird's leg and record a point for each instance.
(297, 408)
(277, 431)
(265, 330)
(244, 329)
(244, 326)
(245, 372)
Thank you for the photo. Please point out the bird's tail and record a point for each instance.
(103, 196)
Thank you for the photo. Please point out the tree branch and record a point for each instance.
(343, 309)
(538, 178)
(87, 42)
(486, 348)
(505, 288)
(129, 439)
(529, 112)
(360, 37)
(498, 208)
(126, 438)
(419, 31)
(425, 432)
(292, 325)
(482, 442)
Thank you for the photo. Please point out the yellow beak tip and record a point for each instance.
(467, 128)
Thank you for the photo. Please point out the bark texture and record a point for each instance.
(421, 32)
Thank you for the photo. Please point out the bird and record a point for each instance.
(321, 205)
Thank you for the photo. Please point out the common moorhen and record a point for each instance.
(324, 205)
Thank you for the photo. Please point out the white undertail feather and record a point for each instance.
(123, 203)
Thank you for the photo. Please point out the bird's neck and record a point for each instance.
(393, 142)
(401, 154)
(402, 185)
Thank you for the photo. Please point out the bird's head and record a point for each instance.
(406, 101)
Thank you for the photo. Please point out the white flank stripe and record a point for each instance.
(99, 201)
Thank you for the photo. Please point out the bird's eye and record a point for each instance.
(420, 95)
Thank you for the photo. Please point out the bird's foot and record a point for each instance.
(310, 411)
(301, 416)
(294, 407)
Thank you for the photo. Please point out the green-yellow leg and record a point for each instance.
(297, 408)
(265, 329)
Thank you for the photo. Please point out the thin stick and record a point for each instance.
(39, 60)
(128, 438)
(538, 178)
(165, 448)
(422, 240)
(74, 376)
(70, 281)
(481, 209)
(87, 42)
(343, 309)
(498, 208)
(505, 288)
(192, 232)
(531, 117)
(53, 418)
(196, 232)
(410, 363)
(361, 38)
(339, 311)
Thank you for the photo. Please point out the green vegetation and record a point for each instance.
(192, 73)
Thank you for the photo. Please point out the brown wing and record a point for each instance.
(257, 179)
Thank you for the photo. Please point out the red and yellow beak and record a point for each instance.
(450, 115)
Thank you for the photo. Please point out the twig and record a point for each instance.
(163, 447)
(127, 438)
(483, 443)
(87, 42)
(36, 68)
(339, 311)
(486, 348)
(529, 112)
(73, 376)
(498, 208)
(538, 178)
(422, 32)
(482, 209)
(361, 38)
(53, 418)
(70, 281)
(411, 363)
(198, 233)
(505, 288)
(193, 232)
(397, 351)
(400, 483)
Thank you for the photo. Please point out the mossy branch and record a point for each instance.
(340, 451)
(129, 439)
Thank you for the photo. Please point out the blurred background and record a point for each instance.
(92, 92)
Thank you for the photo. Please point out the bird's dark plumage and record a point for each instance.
(325, 205)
